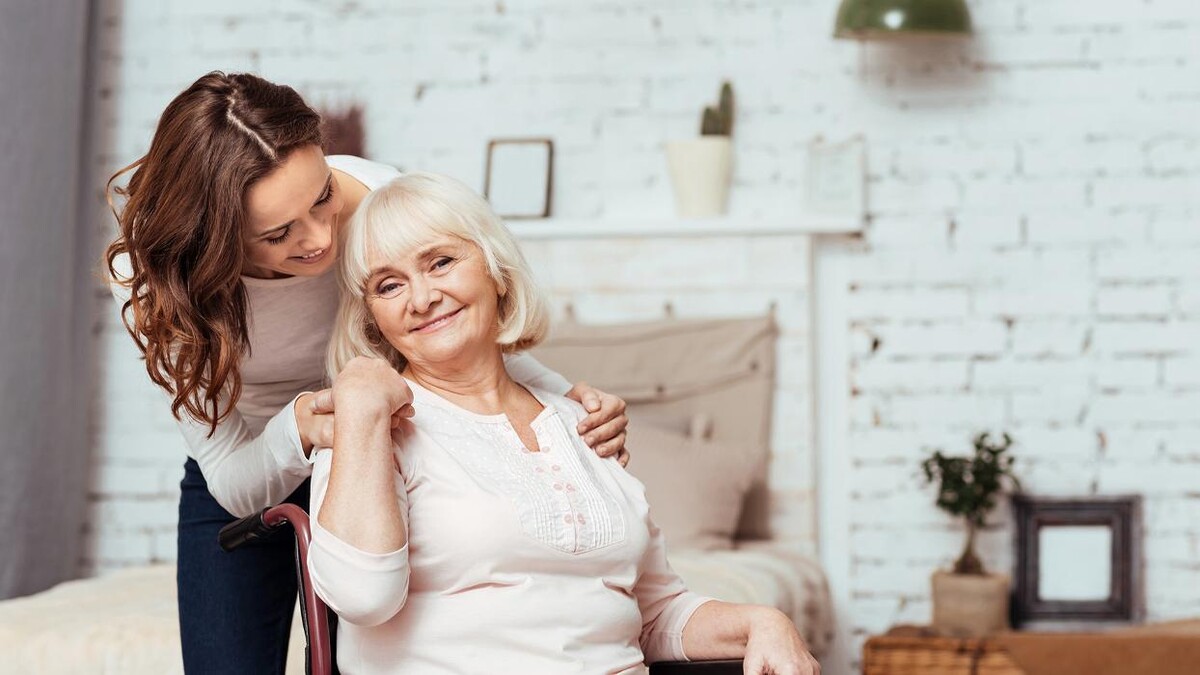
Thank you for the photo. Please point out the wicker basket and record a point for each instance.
(931, 655)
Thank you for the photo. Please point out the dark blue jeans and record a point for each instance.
(235, 609)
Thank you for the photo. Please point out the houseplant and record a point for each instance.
(701, 168)
(967, 600)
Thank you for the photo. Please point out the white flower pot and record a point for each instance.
(701, 170)
(970, 605)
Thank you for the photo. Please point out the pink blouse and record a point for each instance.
(517, 561)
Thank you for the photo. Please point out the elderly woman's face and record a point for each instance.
(437, 303)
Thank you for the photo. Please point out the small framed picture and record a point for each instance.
(519, 177)
(1078, 560)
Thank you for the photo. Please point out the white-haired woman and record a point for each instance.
(482, 535)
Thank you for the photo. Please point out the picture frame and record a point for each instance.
(1078, 560)
(518, 180)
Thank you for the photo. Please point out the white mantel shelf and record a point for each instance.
(627, 227)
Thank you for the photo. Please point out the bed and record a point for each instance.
(700, 399)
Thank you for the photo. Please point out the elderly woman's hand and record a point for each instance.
(604, 427)
(371, 386)
(774, 646)
(315, 411)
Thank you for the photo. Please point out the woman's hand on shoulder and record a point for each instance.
(775, 646)
(604, 427)
(314, 420)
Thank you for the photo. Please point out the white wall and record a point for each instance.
(1031, 263)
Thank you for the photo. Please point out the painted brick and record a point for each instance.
(911, 376)
(1146, 337)
(1134, 301)
(981, 229)
(1128, 373)
(1017, 374)
(1088, 227)
(1058, 404)
(1133, 408)
(981, 411)
(1050, 337)
(975, 338)
(906, 303)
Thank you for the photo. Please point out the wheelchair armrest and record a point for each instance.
(730, 667)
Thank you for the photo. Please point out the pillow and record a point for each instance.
(677, 369)
(695, 487)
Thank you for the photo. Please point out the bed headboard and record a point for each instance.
(718, 372)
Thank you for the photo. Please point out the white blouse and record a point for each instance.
(516, 562)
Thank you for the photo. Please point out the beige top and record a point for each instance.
(516, 562)
(255, 458)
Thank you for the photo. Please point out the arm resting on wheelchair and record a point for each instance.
(761, 636)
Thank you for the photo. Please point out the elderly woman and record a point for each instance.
(481, 534)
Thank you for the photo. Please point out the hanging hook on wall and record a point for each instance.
(668, 310)
(569, 311)
(773, 308)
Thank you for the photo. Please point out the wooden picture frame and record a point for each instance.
(519, 177)
(1096, 572)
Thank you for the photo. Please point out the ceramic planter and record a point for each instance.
(970, 605)
(701, 170)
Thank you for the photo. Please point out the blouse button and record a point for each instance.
(580, 519)
(545, 448)
(568, 519)
(555, 467)
(570, 488)
(558, 486)
(540, 470)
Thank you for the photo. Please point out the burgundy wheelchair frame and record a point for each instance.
(318, 648)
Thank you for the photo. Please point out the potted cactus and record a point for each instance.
(967, 601)
(701, 168)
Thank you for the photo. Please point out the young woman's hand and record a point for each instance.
(775, 647)
(315, 412)
(314, 420)
(604, 427)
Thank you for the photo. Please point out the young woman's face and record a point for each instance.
(292, 218)
(436, 304)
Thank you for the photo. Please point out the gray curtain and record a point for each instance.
(45, 293)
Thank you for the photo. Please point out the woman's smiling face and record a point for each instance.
(292, 214)
(436, 303)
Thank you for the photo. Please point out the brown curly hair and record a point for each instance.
(181, 231)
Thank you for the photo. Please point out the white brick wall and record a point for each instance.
(1031, 263)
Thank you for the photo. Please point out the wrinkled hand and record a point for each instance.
(372, 385)
(776, 648)
(363, 381)
(604, 427)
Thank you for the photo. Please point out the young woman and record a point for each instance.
(223, 269)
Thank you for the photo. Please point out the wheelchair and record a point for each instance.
(319, 621)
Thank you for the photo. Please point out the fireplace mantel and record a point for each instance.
(632, 227)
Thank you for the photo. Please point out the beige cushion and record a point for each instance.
(695, 487)
(720, 371)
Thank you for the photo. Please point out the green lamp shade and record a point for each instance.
(875, 19)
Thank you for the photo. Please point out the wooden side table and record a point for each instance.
(914, 650)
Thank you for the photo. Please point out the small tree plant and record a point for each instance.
(968, 487)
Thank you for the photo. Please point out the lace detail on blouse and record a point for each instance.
(557, 495)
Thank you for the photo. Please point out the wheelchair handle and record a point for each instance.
(245, 530)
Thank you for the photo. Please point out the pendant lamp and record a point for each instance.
(886, 19)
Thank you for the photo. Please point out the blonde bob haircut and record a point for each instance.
(398, 218)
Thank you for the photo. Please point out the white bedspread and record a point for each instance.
(126, 622)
